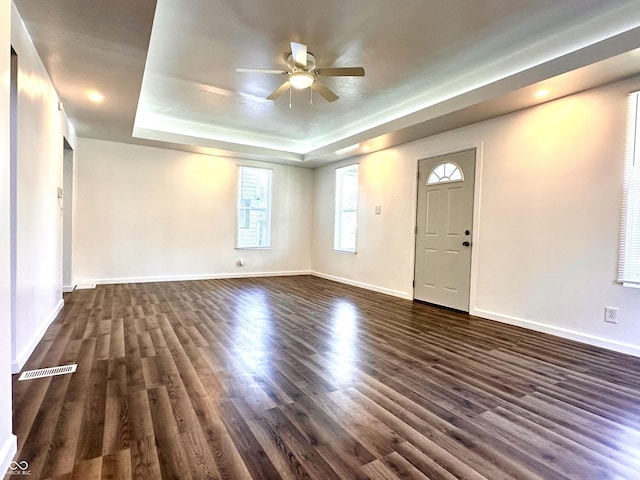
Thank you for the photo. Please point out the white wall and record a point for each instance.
(145, 213)
(40, 131)
(8, 443)
(384, 244)
(547, 218)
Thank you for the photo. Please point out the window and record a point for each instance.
(629, 264)
(445, 172)
(254, 208)
(346, 209)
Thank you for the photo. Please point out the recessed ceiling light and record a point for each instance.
(542, 93)
(95, 96)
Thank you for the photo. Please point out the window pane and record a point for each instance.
(254, 208)
(629, 259)
(346, 210)
(348, 232)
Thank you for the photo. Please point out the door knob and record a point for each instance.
(466, 244)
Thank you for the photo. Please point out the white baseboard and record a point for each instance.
(92, 282)
(581, 337)
(367, 286)
(21, 358)
(68, 288)
(8, 450)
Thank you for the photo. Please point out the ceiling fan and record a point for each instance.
(302, 73)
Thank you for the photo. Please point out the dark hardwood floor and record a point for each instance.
(303, 378)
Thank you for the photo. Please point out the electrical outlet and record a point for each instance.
(611, 314)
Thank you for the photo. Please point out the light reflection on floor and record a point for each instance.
(628, 444)
(344, 335)
(251, 330)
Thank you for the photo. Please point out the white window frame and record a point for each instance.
(341, 209)
(629, 260)
(245, 211)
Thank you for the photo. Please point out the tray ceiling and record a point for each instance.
(167, 70)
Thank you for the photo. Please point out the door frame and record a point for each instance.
(477, 188)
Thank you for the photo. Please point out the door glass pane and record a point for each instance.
(445, 172)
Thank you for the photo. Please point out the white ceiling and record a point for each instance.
(168, 71)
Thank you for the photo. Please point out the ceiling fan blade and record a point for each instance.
(279, 91)
(341, 72)
(299, 54)
(259, 70)
(323, 90)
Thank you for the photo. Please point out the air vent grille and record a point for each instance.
(48, 372)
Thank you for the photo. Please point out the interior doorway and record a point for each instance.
(444, 229)
(67, 216)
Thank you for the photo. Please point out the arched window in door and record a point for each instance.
(445, 172)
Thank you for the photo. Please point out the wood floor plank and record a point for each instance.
(377, 470)
(594, 438)
(88, 470)
(171, 455)
(116, 435)
(145, 464)
(93, 417)
(139, 419)
(225, 453)
(308, 460)
(480, 453)
(201, 463)
(402, 468)
(116, 466)
(377, 437)
(116, 338)
(328, 435)
(559, 453)
(303, 378)
(41, 437)
(64, 442)
(443, 469)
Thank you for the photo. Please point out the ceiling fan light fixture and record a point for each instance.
(301, 80)
(302, 73)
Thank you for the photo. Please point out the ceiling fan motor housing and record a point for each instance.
(294, 67)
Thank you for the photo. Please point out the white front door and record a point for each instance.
(443, 232)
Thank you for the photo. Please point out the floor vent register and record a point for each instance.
(48, 372)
